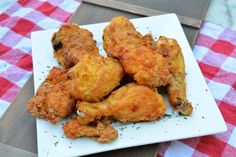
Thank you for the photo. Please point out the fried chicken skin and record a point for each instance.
(130, 103)
(53, 100)
(101, 131)
(71, 42)
(176, 87)
(147, 67)
(122, 41)
(95, 77)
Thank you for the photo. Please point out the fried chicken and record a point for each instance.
(94, 77)
(53, 100)
(101, 131)
(130, 103)
(91, 78)
(71, 42)
(176, 87)
(122, 41)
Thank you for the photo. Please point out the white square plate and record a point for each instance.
(51, 140)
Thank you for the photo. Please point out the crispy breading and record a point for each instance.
(71, 42)
(120, 36)
(91, 78)
(95, 77)
(147, 67)
(176, 87)
(150, 41)
(100, 131)
(53, 100)
(130, 103)
(122, 41)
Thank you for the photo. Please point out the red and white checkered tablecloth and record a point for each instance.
(16, 24)
(215, 51)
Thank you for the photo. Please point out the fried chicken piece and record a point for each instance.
(95, 77)
(176, 87)
(120, 37)
(131, 103)
(122, 41)
(71, 42)
(52, 101)
(147, 67)
(150, 41)
(101, 131)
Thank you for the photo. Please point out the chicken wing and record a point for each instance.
(94, 77)
(101, 131)
(130, 103)
(71, 42)
(122, 41)
(52, 101)
(176, 87)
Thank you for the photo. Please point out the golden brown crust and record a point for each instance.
(176, 87)
(95, 77)
(100, 131)
(52, 101)
(131, 103)
(122, 41)
(71, 42)
(120, 36)
(92, 77)
(147, 67)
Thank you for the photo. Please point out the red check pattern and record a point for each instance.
(17, 22)
(215, 51)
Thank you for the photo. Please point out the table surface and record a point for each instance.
(18, 127)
